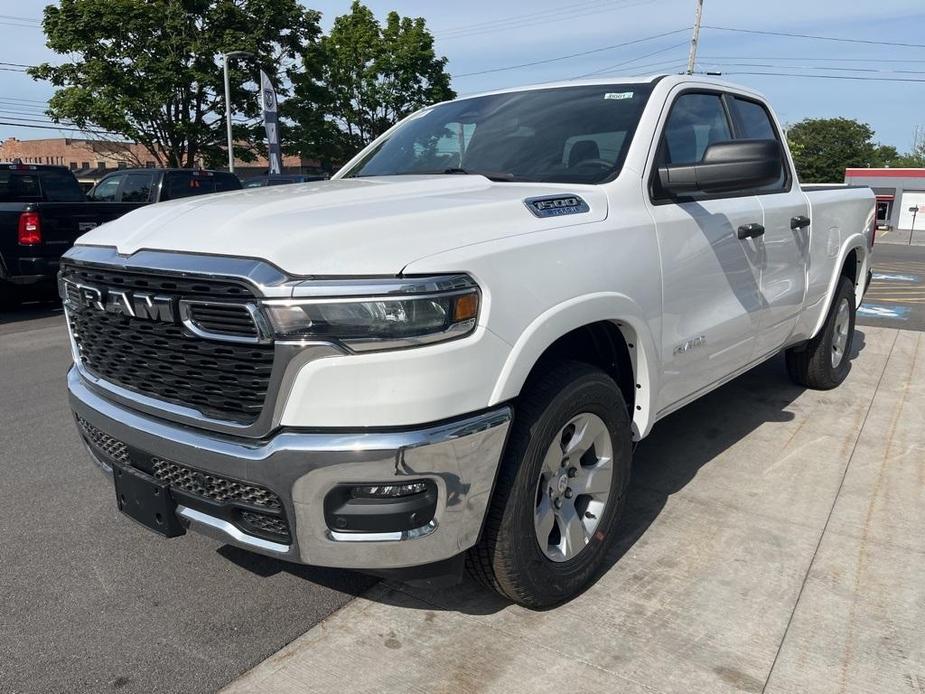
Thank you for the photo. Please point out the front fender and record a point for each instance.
(569, 315)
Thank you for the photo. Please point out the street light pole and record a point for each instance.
(225, 57)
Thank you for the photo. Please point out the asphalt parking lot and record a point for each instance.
(896, 297)
(773, 543)
(91, 601)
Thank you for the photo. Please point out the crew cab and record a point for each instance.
(445, 354)
(43, 210)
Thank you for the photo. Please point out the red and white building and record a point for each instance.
(900, 195)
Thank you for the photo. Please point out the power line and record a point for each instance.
(56, 127)
(818, 38)
(22, 26)
(627, 62)
(839, 60)
(500, 20)
(534, 18)
(816, 67)
(828, 77)
(31, 20)
(571, 55)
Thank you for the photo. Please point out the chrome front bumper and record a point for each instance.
(461, 457)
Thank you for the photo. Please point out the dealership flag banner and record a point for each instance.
(271, 123)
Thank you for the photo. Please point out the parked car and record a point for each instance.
(139, 187)
(281, 180)
(43, 210)
(447, 353)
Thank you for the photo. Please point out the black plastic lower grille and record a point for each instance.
(256, 509)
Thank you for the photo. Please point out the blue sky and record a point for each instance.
(479, 35)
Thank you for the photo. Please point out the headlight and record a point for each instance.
(378, 314)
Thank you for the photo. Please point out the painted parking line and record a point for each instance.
(895, 278)
(881, 311)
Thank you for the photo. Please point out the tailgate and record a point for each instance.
(64, 222)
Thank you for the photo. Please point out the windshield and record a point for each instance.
(566, 134)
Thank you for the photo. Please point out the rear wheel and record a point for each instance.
(824, 362)
(560, 489)
(10, 296)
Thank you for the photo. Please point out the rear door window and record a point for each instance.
(184, 184)
(753, 122)
(137, 187)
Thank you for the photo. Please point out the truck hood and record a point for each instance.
(359, 226)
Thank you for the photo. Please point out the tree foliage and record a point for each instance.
(824, 147)
(360, 79)
(150, 70)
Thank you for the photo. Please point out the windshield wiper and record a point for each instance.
(490, 175)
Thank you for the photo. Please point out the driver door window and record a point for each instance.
(695, 123)
(106, 190)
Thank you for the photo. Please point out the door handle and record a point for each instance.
(799, 222)
(750, 231)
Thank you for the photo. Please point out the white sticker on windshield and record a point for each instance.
(618, 95)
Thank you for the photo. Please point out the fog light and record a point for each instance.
(387, 491)
(384, 507)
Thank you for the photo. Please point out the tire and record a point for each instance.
(824, 362)
(565, 408)
(10, 296)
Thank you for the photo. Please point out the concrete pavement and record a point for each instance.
(773, 543)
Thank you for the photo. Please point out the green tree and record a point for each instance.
(362, 78)
(824, 147)
(150, 70)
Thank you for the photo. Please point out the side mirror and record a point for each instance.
(726, 167)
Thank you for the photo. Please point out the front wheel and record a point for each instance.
(560, 489)
(824, 362)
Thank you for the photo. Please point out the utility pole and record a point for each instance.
(695, 39)
(225, 57)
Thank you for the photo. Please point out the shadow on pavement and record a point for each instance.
(335, 579)
(32, 311)
(664, 463)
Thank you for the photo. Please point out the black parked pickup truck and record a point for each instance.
(43, 210)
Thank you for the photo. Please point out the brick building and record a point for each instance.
(92, 159)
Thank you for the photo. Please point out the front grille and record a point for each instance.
(155, 283)
(264, 513)
(212, 487)
(263, 524)
(111, 448)
(223, 380)
(223, 319)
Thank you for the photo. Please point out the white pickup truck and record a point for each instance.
(445, 354)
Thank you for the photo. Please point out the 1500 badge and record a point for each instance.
(556, 205)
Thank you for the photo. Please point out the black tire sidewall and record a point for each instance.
(839, 373)
(553, 582)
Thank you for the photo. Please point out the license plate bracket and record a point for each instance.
(146, 501)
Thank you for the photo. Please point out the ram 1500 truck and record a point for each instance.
(445, 354)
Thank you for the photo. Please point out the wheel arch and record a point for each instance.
(853, 263)
(606, 330)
